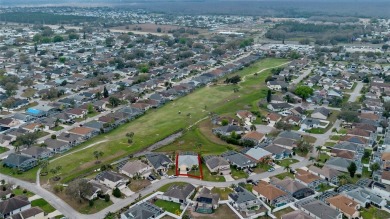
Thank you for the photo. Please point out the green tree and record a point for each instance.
(58, 38)
(116, 193)
(158, 29)
(375, 166)
(90, 109)
(62, 59)
(352, 169)
(73, 36)
(269, 95)
(114, 101)
(318, 150)
(105, 92)
(304, 91)
(98, 154)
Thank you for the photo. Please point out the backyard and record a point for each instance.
(223, 211)
(374, 213)
(168, 206)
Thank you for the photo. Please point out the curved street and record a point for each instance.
(69, 212)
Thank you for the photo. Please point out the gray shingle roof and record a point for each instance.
(16, 159)
(145, 210)
(180, 191)
(321, 210)
(12, 204)
(241, 195)
(158, 160)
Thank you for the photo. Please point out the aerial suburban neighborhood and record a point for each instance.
(132, 114)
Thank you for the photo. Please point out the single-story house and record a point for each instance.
(271, 195)
(278, 152)
(217, 165)
(320, 113)
(136, 168)
(338, 163)
(14, 206)
(238, 160)
(143, 210)
(205, 201)
(31, 213)
(347, 206)
(242, 199)
(309, 179)
(37, 152)
(257, 153)
(254, 136)
(160, 162)
(365, 197)
(178, 193)
(22, 162)
(56, 146)
(110, 179)
(317, 209)
(292, 187)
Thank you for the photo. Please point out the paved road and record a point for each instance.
(355, 94)
(68, 211)
(302, 76)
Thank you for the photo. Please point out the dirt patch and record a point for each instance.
(137, 185)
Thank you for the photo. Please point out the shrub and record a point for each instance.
(116, 193)
(107, 198)
(90, 203)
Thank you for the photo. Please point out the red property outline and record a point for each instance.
(190, 175)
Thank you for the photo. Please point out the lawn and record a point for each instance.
(316, 130)
(199, 139)
(207, 176)
(22, 192)
(283, 175)
(57, 128)
(168, 206)
(165, 187)
(335, 137)
(89, 115)
(323, 157)
(309, 139)
(282, 212)
(222, 192)
(324, 188)
(329, 144)
(42, 203)
(159, 123)
(3, 149)
(98, 205)
(286, 162)
(238, 174)
(374, 213)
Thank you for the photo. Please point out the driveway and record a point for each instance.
(264, 129)
(302, 76)
(355, 94)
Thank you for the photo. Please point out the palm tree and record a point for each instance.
(287, 167)
(44, 164)
(342, 180)
(97, 154)
(253, 128)
(318, 149)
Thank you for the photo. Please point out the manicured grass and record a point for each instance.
(335, 137)
(282, 212)
(89, 115)
(207, 176)
(28, 105)
(324, 188)
(21, 192)
(199, 139)
(168, 206)
(309, 139)
(323, 157)
(157, 124)
(42, 203)
(261, 168)
(222, 192)
(42, 134)
(165, 188)
(57, 128)
(374, 213)
(98, 205)
(283, 175)
(3, 149)
(238, 174)
(316, 131)
(329, 144)
(286, 162)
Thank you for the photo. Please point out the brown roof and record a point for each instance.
(244, 113)
(31, 126)
(297, 214)
(359, 132)
(306, 176)
(81, 130)
(365, 126)
(343, 153)
(344, 204)
(269, 191)
(274, 116)
(106, 119)
(386, 156)
(76, 111)
(386, 175)
(371, 116)
(254, 135)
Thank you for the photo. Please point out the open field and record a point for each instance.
(159, 123)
